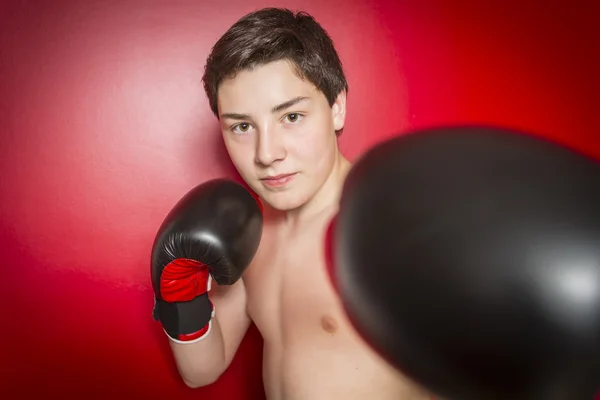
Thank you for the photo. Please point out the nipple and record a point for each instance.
(329, 324)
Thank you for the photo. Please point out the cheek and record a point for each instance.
(241, 155)
(314, 145)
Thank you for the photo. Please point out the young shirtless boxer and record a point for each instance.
(277, 87)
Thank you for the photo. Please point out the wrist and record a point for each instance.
(185, 322)
(193, 337)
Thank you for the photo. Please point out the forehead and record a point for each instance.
(263, 87)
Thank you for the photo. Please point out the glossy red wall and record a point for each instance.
(104, 126)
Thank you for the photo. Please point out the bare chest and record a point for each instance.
(289, 292)
(311, 350)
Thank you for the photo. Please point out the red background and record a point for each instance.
(104, 126)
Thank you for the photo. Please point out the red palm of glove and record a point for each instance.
(183, 280)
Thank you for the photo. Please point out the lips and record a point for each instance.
(276, 177)
(278, 181)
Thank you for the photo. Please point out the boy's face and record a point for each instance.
(279, 131)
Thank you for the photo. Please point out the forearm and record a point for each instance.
(202, 363)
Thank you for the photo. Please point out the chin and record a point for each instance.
(282, 201)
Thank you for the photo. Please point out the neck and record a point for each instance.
(325, 201)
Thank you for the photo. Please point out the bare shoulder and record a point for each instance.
(264, 253)
(262, 280)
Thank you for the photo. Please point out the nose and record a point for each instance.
(269, 147)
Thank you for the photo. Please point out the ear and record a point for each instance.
(338, 111)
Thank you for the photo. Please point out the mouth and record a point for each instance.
(277, 180)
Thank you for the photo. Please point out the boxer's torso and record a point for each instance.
(310, 350)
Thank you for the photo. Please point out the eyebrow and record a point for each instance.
(277, 108)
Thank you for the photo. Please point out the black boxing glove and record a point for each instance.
(468, 257)
(213, 231)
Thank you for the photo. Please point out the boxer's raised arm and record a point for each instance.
(210, 236)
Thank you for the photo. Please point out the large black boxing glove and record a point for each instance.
(469, 258)
(214, 230)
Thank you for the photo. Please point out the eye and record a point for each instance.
(243, 127)
(293, 117)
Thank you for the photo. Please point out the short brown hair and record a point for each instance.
(273, 34)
